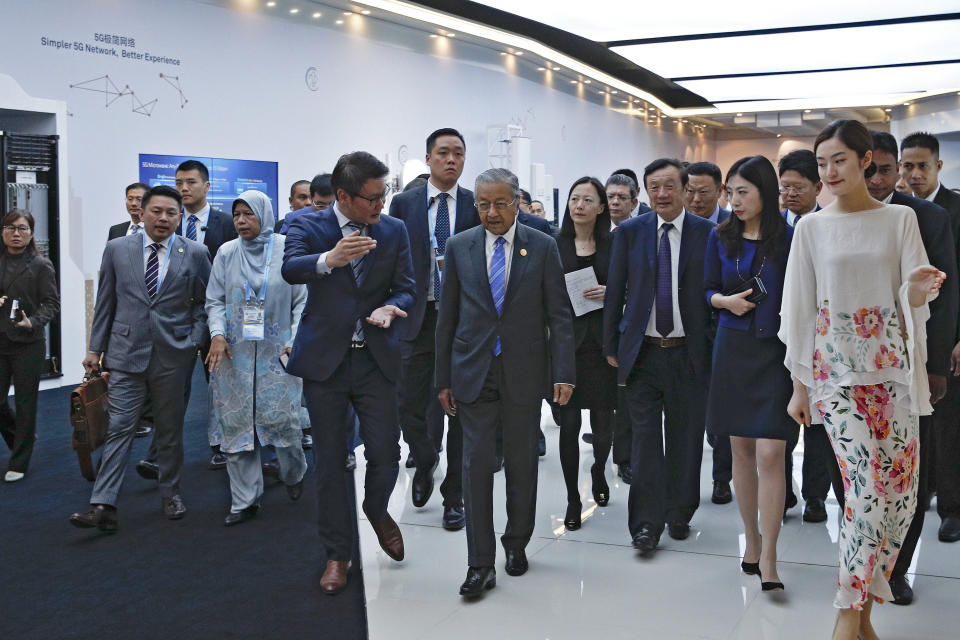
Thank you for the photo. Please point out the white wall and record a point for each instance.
(243, 77)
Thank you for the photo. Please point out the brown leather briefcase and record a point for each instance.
(90, 419)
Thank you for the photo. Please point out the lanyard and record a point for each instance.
(266, 274)
(166, 255)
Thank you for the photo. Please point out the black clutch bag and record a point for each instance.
(755, 283)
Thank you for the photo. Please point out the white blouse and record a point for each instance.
(846, 319)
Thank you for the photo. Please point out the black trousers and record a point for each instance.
(924, 473)
(519, 422)
(818, 457)
(20, 364)
(357, 382)
(944, 448)
(666, 454)
(418, 409)
(622, 430)
(722, 458)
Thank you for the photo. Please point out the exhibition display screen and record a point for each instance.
(228, 177)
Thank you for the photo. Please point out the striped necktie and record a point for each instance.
(192, 227)
(498, 281)
(153, 269)
(359, 266)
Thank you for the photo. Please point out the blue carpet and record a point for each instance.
(155, 578)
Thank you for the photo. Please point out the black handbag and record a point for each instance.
(755, 283)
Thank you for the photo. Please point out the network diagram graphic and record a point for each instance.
(112, 93)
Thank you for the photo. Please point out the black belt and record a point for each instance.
(665, 343)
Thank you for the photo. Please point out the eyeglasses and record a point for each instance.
(797, 191)
(484, 207)
(374, 200)
(11, 228)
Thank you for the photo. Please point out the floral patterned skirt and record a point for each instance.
(877, 448)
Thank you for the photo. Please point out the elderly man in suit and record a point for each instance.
(657, 331)
(359, 276)
(148, 320)
(504, 343)
(134, 193)
(432, 213)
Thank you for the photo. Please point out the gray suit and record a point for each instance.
(149, 347)
(535, 328)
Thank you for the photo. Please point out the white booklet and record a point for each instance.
(577, 282)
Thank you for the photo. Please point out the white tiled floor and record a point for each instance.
(591, 583)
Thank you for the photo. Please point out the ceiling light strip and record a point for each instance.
(759, 74)
(799, 104)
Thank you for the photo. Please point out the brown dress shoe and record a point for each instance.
(389, 536)
(334, 579)
(173, 507)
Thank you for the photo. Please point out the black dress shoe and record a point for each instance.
(647, 540)
(478, 579)
(217, 461)
(625, 473)
(422, 487)
(142, 431)
(517, 562)
(454, 518)
(571, 520)
(241, 516)
(148, 470)
(306, 442)
(601, 490)
(541, 444)
(814, 511)
(498, 464)
(949, 530)
(902, 592)
(587, 437)
(295, 490)
(721, 493)
(411, 461)
(678, 530)
(173, 507)
(101, 516)
(351, 461)
(271, 470)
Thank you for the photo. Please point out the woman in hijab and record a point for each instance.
(253, 315)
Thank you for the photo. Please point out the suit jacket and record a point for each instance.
(411, 207)
(118, 230)
(219, 229)
(784, 213)
(937, 237)
(128, 325)
(601, 266)
(535, 326)
(951, 202)
(535, 222)
(633, 268)
(283, 226)
(335, 301)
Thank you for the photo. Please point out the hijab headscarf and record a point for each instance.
(253, 252)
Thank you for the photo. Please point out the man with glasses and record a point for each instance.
(799, 184)
(134, 193)
(359, 276)
(504, 343)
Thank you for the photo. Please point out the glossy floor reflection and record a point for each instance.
(591, 583)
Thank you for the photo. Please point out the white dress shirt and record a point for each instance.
(432, 204)
(793, 217)
(342, 220)
(888, 198)
(202, 216)
(162, 256)
(490, 241)
(935, 192)
(674, 237)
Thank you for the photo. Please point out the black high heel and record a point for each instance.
(601, 490)
(750, 568)
(572, 520)
(771, 586)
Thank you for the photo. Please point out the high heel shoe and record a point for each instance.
(750, 568)
(601, 490)
(771, 586)
(572, 520)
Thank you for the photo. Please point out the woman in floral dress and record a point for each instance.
(853, 320)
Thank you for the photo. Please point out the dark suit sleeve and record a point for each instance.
(448, 317)
(106, 305)
(47, 295)
(396, 211)
(712, 272)
(299, 264)
(942, 325)
(403, 288)
(559, 319)
(198, 299)
(616, 294)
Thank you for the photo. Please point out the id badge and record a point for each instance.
(252, 323)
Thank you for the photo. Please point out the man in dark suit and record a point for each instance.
(432, 214)
(148, 322)
(504, 344)
(934, 223)
(299, 199)
(134, 197)
(920, 166)
(534, 222)
(321, 197)
(638, 207)
(356, 265)
(701, 197)
(656, 330)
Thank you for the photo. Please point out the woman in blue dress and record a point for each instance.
(750, 386)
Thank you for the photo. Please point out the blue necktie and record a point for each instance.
(359, 271)
(153, 269)
(192, 227)
(664, 283)
(441, 232)
(498, 282)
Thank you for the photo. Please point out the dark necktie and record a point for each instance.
(498, 281)
(664, 283)
(359, 271)
(441, 232)
(134, 228)
(153, 269)
(192, 227)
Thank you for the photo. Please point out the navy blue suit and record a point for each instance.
(337, 375)
(283, 226)
(535, 222)
(671, 381)
(421, 416)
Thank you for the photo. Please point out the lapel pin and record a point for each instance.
(180, 250)
(523, 252)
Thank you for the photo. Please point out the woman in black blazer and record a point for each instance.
(29, 299)
(584, 242)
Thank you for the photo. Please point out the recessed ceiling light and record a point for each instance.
(348, 13)
(614, 92)
(339, 21)
(294, 10)
(557, 69)
(365, 12)
(317, 14)
(888, 110)
(503, 53)
(587, 81)
(271, 4)
(683, 121)
(739, 114)
(433, 35)
(906, 104)
(806, 110)
(779, 135)
(573, 82)
(451, 35)
(624, 101)
(541, 69)
(601, 91)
